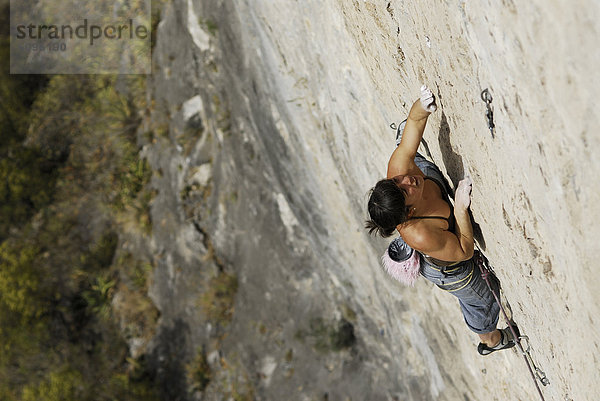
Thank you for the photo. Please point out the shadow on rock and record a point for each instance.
(477, 233)
(167, 362)
(456, 170)
(452, 160)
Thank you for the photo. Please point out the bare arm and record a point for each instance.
(464, 229)
(402, 159)
(442, 244)
(464, 235)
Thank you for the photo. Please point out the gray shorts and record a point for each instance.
(464, 281)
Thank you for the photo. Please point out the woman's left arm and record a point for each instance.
(464, 229)
(442, 244)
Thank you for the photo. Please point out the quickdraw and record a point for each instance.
(486, 270)
(539, 373)
(486, 96)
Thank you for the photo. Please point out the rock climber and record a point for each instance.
(436, 238)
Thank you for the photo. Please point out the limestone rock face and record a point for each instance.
(271, 124)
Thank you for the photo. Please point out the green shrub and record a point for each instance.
(62, 385)
(199, 373)
(217, 302)
(20, 281)
(131, 178)
(326, 337)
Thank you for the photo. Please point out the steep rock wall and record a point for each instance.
(272, 121)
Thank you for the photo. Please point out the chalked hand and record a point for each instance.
(462, 197)
(427, 99)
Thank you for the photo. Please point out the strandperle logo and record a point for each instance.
(83, 31)
(80, 37)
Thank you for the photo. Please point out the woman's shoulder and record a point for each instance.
(419, 234)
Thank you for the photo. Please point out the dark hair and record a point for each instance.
(387, 208)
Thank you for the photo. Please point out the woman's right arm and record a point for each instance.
(402, 160)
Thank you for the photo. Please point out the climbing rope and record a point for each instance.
(485, 270)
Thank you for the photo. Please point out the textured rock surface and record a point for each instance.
(273, 119)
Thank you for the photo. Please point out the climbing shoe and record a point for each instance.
(506, 341)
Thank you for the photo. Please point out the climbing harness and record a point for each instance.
(486, 270)
(486, 96)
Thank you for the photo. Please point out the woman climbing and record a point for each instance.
(436, 239)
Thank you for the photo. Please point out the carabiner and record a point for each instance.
(486, 96)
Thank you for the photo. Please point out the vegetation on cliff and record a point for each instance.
(73, 187)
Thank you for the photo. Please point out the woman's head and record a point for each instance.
(387, 207)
